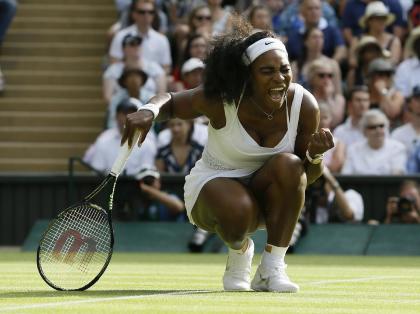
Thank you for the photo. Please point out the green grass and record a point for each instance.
(184, 283)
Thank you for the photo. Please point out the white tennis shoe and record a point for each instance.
(273, 280)
(237, 275)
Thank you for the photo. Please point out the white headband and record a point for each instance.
(259, 47)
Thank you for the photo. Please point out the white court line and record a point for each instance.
(95, 300)
(326, 282)
(133, 297)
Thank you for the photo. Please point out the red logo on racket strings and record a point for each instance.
(70, 244)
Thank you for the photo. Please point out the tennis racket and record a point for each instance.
(77, 246)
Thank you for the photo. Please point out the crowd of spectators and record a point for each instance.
(359, 58)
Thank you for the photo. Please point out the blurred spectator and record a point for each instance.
(383, 94)
(155, 46)
(321, 84)
(102, 154)
(7, 12)
(196, 47)
(221, 17)
(374, 22)
(378, 154)
(327, 202)
(158, 205)
(156, 82)
(408, 72)
(355, 9)
(259, 18)
(311, 13)
(131, 82)
(333, 158)
(290, 19)
(358, 103)
(313, 42)
(409, 133)
(364, 52)
(199, 21)
(404, 208)
(191, 75)
(181, 154)
(414, 15)
(199, 135)
(275, 8)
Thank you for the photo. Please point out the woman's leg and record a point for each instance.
(228, 208)
(280, 188)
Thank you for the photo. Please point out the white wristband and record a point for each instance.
(315, 160)
(151, 107)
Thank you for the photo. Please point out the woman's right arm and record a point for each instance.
(185, 105)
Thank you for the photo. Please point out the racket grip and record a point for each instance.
(123, 155)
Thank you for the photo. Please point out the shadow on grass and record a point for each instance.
(100, 293)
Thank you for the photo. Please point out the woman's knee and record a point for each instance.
(287, 170)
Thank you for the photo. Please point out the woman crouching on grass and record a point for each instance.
(263, 149)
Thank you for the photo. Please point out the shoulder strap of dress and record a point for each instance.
(295, 111)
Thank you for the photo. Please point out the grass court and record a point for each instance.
(186, 283)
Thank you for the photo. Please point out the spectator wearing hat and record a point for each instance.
(409, 133)
(383, 94)
(365, 50)
(191, 75)
(311, 13)
(157, 205)
(155, 46)
(354, 10)
(374, 22)
(102, 154)
(131, 44)
(408, 72)
(131, 84)
(378, 154)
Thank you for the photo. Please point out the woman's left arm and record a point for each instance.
(310, 141)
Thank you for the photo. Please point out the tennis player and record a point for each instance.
(263, 149)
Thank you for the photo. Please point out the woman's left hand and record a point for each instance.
(320, 142)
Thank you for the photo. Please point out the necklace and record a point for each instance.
(269, 116)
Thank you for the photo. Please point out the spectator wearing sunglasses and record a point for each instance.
(383, 95)
(409, 133)
(199, 21)
(155, 46)
(321, 84)
(377, 154)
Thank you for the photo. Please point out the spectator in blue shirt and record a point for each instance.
(311, 13)
(355, 9)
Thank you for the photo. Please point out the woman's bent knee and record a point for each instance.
(287, 170)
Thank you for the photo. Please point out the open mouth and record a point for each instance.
(276, 94)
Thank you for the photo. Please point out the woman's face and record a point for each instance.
(370, 53)
(271, 76)
(376, 23)
(261, 19)
(202, 18)
(315, 40)
(198, 48)
(179, 128)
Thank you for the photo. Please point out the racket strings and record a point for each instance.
(76, 247)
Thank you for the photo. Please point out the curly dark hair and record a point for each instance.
(225, 73)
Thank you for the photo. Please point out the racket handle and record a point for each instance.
(123, 155)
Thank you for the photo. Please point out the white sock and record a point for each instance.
(241, 250)
(273, 256)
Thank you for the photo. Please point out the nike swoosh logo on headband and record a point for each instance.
(270, 42)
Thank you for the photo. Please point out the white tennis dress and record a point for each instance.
(231, 152)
